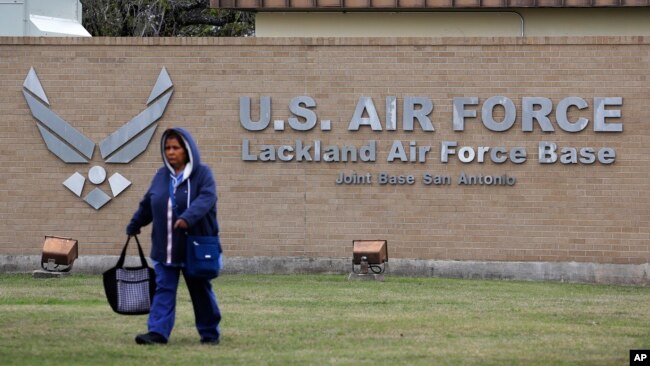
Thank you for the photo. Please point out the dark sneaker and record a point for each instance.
(210, 341)
(150, 338)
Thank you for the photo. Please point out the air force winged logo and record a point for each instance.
(121, 147)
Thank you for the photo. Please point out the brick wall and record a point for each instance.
(554, 212)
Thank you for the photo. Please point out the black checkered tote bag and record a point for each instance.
(130, 290)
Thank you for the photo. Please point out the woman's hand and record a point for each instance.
(132, 230)
(181, 224)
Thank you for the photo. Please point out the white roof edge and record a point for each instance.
(58, 27)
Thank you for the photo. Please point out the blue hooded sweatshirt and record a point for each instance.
(195, 199)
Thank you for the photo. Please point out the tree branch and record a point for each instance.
(198, 17)
(186, 5)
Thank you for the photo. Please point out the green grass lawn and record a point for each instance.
(326, 320)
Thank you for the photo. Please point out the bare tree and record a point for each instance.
(154, 18)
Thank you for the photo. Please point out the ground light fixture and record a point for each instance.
(58, 254)
(369, 259)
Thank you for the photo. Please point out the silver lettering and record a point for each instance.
(601, 113)
(562, 110)
(245, 113)
(529, 113)
(488, 110)
(296, 107)
(459, 111)
(365, 104)
(411, 113)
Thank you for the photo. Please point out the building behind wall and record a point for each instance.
(587, 221)
(41, 18)
(444, 18)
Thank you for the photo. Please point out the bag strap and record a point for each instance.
(120, 262)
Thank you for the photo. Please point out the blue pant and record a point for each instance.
(163, 309)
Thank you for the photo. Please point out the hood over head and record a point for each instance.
(193, 154)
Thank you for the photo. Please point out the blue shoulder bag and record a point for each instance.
(203, 255)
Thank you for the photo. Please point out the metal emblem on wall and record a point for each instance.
(121, 147)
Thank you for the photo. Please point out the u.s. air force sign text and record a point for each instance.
(538, 114)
